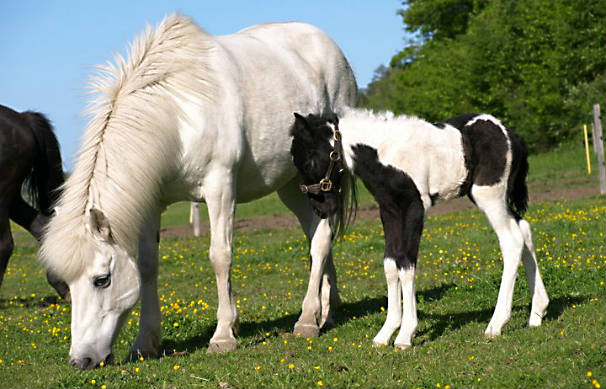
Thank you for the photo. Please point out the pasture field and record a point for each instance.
(457, 284)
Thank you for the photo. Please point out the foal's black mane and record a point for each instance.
(346, 193)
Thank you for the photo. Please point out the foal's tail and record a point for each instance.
(46, 177)
(517, 192)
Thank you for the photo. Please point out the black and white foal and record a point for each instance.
(407, 164)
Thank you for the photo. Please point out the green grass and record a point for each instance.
(457, 284)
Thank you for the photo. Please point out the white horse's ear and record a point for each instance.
(99, 225)
(301, 126)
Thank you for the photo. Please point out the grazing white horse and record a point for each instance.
(193, 117)
(407, 164)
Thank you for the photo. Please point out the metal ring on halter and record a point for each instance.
(334, 155)
(336, 135)
(325, 185)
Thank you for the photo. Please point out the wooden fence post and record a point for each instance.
(599, 147)
(194, 217)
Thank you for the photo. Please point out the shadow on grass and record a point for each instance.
(347, 311)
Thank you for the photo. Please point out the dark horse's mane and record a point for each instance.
(44, 181)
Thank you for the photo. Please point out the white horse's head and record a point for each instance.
(102, 293)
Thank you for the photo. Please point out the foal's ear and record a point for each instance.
(301, 126)
(99, 225)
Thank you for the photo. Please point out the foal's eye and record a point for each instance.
(102, 281)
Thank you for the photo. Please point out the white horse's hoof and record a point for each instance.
(222, 346)
(136, 353)
(306, 330)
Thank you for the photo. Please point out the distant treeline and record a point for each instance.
(539, 65)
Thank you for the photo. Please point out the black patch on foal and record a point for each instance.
(400, 203)
(484, 150)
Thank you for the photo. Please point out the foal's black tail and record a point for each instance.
(517, 192)
(46, 177)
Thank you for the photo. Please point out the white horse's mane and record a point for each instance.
(131, 142)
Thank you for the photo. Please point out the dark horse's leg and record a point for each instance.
(6, 241)
(34, 222)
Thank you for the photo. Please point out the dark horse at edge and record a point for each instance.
(30, 158)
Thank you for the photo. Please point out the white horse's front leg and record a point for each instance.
(311, 314)
(221, 208)
(150, 333)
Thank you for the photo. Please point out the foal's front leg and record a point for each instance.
(150, 332)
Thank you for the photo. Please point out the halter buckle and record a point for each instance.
(325, 185)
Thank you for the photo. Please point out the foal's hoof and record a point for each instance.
(222, 346)
(306, 330)
(401, 346)
(491, 334)
(378, 344)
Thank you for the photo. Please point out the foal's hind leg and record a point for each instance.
(34, 222)
(490, 199)
(322, 294)
(538, 293)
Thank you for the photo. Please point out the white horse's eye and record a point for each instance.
(102, 281)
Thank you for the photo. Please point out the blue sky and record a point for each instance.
(50, 48)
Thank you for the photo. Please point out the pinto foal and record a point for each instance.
(408, 164)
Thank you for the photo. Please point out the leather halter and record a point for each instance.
(326, 184)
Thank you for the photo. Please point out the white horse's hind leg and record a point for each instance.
(538, 293)
(316, 309)
(394, 307)
(150, 334)
(221, 207)
(491, 201)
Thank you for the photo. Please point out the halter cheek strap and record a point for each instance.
(325, 184)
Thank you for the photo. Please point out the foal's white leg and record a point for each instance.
(221, 204)
(316, 309)
(491, 200)
(409, 313)
(538, 293)
(394, 307)
(150, 334)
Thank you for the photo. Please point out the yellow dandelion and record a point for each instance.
(589, 374)
(175, 324)
(320, 383)
(176, 367)
(137, 369)
(257, 368)
(101, 363)
(335, 339)
(93, 381)
(103, 386)
(291, 366)
(141, 359)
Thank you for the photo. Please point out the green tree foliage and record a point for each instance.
(538, 64)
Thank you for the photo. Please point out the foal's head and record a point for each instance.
(317, 152)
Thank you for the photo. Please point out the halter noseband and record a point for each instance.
(325, 184)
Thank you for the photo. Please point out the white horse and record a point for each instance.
(189, 117)
(408, 164)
